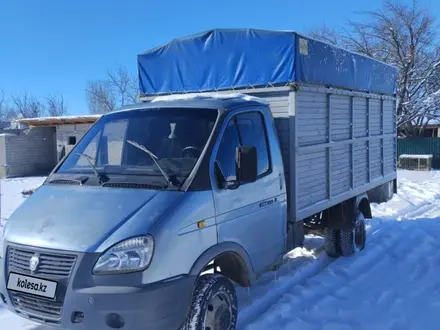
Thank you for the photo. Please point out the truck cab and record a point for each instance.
(152, 197)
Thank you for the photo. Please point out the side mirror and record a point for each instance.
(247, 164)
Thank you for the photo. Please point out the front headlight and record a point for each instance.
(131, 255)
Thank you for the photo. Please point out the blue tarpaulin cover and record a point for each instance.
(224, 59)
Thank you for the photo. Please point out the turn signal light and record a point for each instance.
(201, 224)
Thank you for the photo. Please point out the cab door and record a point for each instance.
(253, 214)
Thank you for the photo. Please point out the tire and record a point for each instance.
(352, 241)
(389, 191)
(331, 237)
(213, 305)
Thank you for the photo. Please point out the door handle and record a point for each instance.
(280, 177)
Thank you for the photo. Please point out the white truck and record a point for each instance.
(165, 206)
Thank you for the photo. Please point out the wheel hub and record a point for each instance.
(224, 317)
(218, 313)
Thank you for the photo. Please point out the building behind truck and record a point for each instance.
(36, 145)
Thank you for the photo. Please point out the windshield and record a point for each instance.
(153, 142)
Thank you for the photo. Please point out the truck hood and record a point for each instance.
(84, 218)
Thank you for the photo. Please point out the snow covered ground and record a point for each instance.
(11, 197)
(393, 284)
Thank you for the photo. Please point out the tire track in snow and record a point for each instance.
(304, 294)
(388, 242)
(331, 295)
(302, 277)
(272, 291)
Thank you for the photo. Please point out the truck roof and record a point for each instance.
(231, 59)
(221, 101)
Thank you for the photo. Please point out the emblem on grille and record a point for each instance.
(33, 263)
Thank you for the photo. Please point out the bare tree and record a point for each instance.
(2, 106)
(27, 106)
(404, 36)
(330, 35)
(100, 98)
(7, 113)
(117, 90)
(2, 98)
(123, 85)
(55, 105)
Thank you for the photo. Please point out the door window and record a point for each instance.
(252, 133)
(243, 129)
(226, 152)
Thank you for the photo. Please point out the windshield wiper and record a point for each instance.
(154, 158)
(101, 177)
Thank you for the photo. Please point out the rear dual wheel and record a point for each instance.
(346, 242)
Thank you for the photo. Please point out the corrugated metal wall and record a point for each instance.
(30, 153)
(421, 146)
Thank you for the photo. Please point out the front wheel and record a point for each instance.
(213, 305)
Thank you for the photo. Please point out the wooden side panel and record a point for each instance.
(312, 119)
(341, 169)
(312, 178)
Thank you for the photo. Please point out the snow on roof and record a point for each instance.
(432, 122)
(60, 120)
(414, 156)
(208, 96)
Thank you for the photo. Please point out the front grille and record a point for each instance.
(132, 185)
(53, 265)
(44, 309)
(66, 181)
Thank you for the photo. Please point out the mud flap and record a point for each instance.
(295, 235)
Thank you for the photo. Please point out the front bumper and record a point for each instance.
(109, 301)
